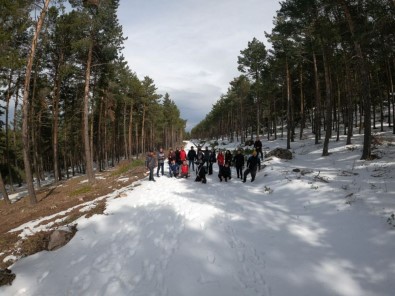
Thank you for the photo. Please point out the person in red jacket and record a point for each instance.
(220, 160)
(184, 170)
(183, 154)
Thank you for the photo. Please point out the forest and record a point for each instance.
(329, 69)
(69, 102)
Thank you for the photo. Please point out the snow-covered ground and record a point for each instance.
(322, 230)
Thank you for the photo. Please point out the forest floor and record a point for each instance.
(59, 204)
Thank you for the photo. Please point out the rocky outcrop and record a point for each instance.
(280, 153)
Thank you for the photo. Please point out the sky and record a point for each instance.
(312, 225)
(190, 48)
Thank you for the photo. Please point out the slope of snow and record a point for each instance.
(319, 231)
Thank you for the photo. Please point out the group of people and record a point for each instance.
(181, 163)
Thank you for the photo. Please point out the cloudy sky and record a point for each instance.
(190, 47)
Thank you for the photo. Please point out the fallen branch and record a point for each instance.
(322, 179)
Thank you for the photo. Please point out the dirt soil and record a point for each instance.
(54, 199)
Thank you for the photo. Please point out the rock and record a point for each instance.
(280, 153)
(60, 237)
(6, 277)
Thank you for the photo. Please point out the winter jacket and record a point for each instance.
(253, 162)
(174, 168)
(161, 157)
(206, 155)
(184, 169)
(171, 156)
(258, 145)
(150, 162)
(220, 159)
(213, 158)
(178, 159)
(238, 160)
(183, 155)
(200, 156)
(201, 171)
(225, 172)
(192, 154)
(228, 157)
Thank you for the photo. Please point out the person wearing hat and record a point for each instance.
(191, 158)
(253, 163)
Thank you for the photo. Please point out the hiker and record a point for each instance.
(258, 147)
(253, 163)
(212, 160)
(174, 169)
(191, 158)
(228, 157)
(171, 156)
(161, 162)
(201, 173)
(238, 161)
(220, 160)
(225, 173)
(184, 170)
(150, 163)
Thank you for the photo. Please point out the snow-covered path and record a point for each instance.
(284, 234)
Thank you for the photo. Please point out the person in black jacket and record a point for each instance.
(224, 172)
(253, 163)
(213, 159)
(238, 161)
(258, 147)
(178, 157)
(191, 158)
(228, 157)
(201, 173)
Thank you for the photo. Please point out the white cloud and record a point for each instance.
(190, 48)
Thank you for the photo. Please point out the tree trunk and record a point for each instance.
(365, 86)
(328, 91)
(142, 130)
(4, 191)
(288, 105)
(25, 107)
(131, 129)
(302, 113)
(7, 143)
(87, 148)
(391, 98)
(99, 137)
(55, 123)
(15, 117)
(317, 113)
(125, 138)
